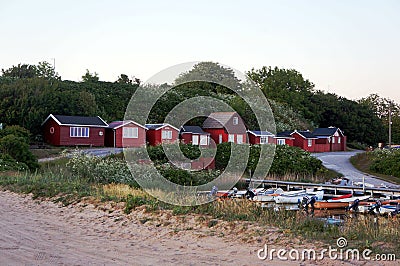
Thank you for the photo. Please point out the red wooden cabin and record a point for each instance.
(261, 137)
(330, 139)
(225, 127)
(63, 130)
(194, 135)
(121, 134)
(157, 134)
(284, 138)
(304, 139)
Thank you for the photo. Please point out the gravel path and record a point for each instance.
(340, 162)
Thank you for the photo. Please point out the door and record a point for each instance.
(203, 140)
(195, 139)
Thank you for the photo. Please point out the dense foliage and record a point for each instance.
(28, 101)
(28, 94)
(14, 148)
(356, 119)
(385, 162)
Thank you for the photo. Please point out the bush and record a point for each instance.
(100, 170)
(17, 131)
(7, 163)
(18, 148)
(385, 162)
(293, 160)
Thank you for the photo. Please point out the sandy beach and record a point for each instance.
(34, 232)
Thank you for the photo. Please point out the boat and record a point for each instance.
(384, 209)
(292, 198)
(343, 196)
(330, 205)
(266, 196)
(360, 198)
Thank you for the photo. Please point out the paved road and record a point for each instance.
(340, 162)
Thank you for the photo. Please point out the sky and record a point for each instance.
(351, 48)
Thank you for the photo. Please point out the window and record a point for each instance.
(263, 140)
(281, 141)
(333, 140)
(195, 139)
(166, 134)
(220, 138)
(309, 142)
(130, 132)
(203, 140)
(231, 138)
(79, 132)
(339, 140)
(235, 120)
(239, 139)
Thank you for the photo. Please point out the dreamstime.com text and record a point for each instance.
(333, 253)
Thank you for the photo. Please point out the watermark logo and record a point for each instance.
(331, 253)
(167, 83)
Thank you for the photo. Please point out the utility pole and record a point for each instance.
(390, 125)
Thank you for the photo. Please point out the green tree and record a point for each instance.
(213, 72)
(90, 77)
(20, 71)
(47, 71)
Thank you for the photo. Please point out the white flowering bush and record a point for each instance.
(100, 170)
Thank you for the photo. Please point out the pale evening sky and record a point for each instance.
(351, 48)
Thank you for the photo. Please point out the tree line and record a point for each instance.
(29, 93)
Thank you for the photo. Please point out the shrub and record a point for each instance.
(18, 148)
(17, 131)
(385, 162)
(7, 163)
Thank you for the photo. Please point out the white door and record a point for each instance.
(203, 140)
(239, 139)
(195, 139)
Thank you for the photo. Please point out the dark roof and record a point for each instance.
(153, 126)
(306, 134)
(218, 119)
(117, 124)
(325, 131)
(158, 126)
(284, 134)
(193, 129)
(260, 133)
(79, 120)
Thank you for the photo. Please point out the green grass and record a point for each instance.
(362, 163)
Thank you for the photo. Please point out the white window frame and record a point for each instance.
(309, 142)
(130, 132)
(231, 137)
(333, 140)
(195, 139)
(339, 140)
(204, 140)
(239, 139)
(263, 139)
(220, 138)
(281, 141)
(235, 120)
(166, 134)
(79, 132)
